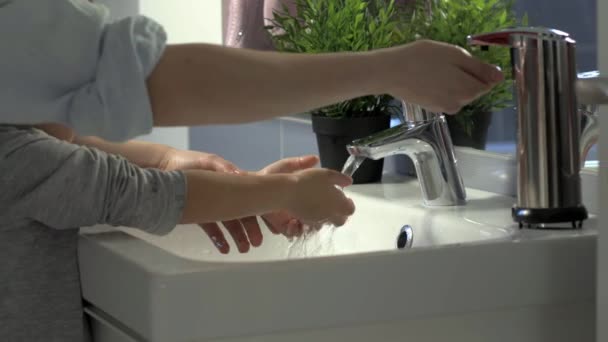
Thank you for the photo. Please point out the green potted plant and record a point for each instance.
(451, 21)
(321, 26)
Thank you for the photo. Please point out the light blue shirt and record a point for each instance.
(64, 61)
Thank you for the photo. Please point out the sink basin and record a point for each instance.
(382, 211)
(470, 275)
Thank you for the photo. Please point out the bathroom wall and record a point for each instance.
(603, 243)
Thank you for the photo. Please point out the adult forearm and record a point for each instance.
(213, 196)
(142, 154)
(197, 84)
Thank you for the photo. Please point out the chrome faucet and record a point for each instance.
(425, 138)
(549, 135)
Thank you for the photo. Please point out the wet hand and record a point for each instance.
(282, 222)
(319, 199)
(245, 232)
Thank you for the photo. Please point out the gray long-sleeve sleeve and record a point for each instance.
(49, 188)
(62, 185)
(64, 61)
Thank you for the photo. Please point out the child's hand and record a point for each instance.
(317, 199)
(245, 232)
(282, 222)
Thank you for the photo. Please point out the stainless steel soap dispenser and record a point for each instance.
(548, 153)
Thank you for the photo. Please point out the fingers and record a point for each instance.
(271, 224)
(238, 234)
(340, 179)
(244, 232)
(294, 228)
(217, 236)
(219, 164)
(228, 167)
(463, 89)
(485, 73)
(281, 222)
(348, 206)
(277, 221)
(339, 221)
(289, 165)
(307, 162)
(253, 230)
(474, 88)
(345, 207)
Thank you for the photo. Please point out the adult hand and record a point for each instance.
(245, 232)
(437, 76)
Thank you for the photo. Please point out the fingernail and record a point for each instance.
(217, 242)
(497, 75)
(221, 245)
(257, 242)
(243, 247)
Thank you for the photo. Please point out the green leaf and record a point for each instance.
(321, 26)
(372, 27)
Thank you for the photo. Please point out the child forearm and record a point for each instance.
(213, 196)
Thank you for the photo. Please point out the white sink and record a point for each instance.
(382, 210)
(471, 275)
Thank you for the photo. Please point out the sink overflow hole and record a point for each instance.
(405, 237)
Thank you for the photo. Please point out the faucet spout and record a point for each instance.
(429, 145)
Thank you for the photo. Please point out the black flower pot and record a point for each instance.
(334, 134)
(479, 134)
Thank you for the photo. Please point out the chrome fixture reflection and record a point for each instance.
(425, 138)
